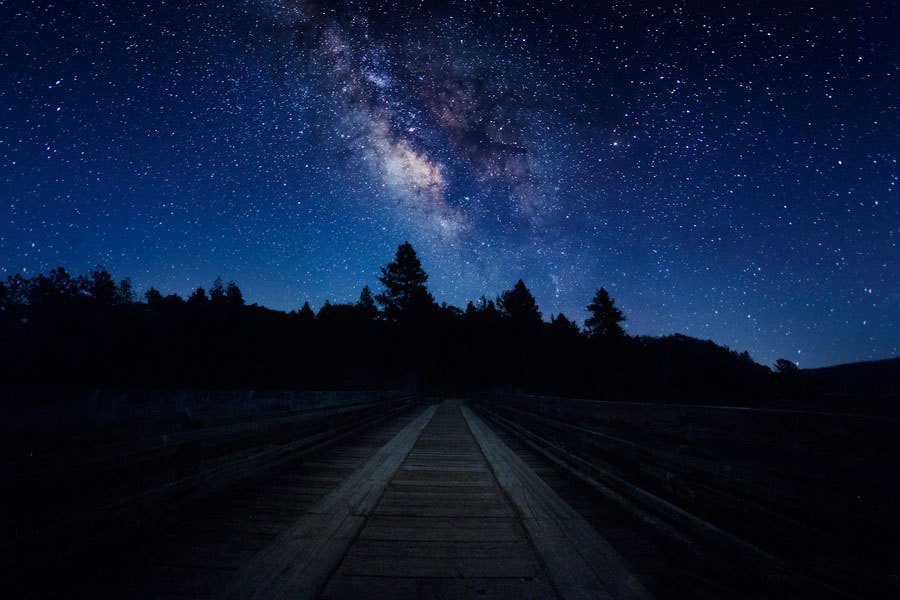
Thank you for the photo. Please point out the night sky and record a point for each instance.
(727, 170)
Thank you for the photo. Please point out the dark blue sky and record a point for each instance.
(727, 170)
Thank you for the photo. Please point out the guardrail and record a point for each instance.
(67, 487)
(808, 498)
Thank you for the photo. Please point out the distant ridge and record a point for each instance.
(861, 375)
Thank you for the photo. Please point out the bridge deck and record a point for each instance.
(443, 528)
(398, 498)
(191, 556)
(423, 505)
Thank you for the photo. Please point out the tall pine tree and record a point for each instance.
(217, 291)
(306, 313)
(405, 294)
(519, 304)
(366, 304)
(233, 294)
(605, 317)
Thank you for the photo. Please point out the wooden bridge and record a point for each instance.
(388, 496)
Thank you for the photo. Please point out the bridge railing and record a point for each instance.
(797, 492)
(81, 467)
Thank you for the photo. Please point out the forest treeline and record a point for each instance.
(60, 331)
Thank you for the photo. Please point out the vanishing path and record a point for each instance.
(442, 528)
(503, 497)
(438, 512)
(429, 504)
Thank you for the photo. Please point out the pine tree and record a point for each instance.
(198, 297)
(562, 325)
(306, 313)
(783, 365)
(233, 294)
(217, 291)
(125, 292)
(605, 317)
(519, 304)
(405, 294)
(366, 304)
(488, 307)
(153, 296)
(99, 285)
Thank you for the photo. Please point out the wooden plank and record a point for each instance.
(107, 512)
(446, 510)
(436, 566)
(441, 529)
(299, 562)
(438, 588)
(445, 487)
(466, 494)
(442, 525)
(224, 535)
(579, 561)
(442, 477)
(400, 549)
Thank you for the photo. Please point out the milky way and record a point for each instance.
(370, 124)
(728, 171)
(403, 102)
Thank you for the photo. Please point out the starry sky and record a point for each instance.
(727, 170)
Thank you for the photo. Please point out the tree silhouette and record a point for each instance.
(488, 307)
(173, 300)
(45, 295)
(405, 294)
(605, 317)
(197, 297)
(450, 310)
(100, 286)
(233, 294)
(348, 314)
(562, 325)
(366, 304)
(217, 291)
(484, 306)
(519, 304)
(84, 332)
(5, 298)
(306, 313)
(154, 297)
(125, 292)
(16, 292)
(783, 365)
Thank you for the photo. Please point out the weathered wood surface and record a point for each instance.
(193, 552)
(759, 497)
(582, 563)
(443, 529)
(437, 500)
(101, 485)
(411, 508)
(300, 560)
